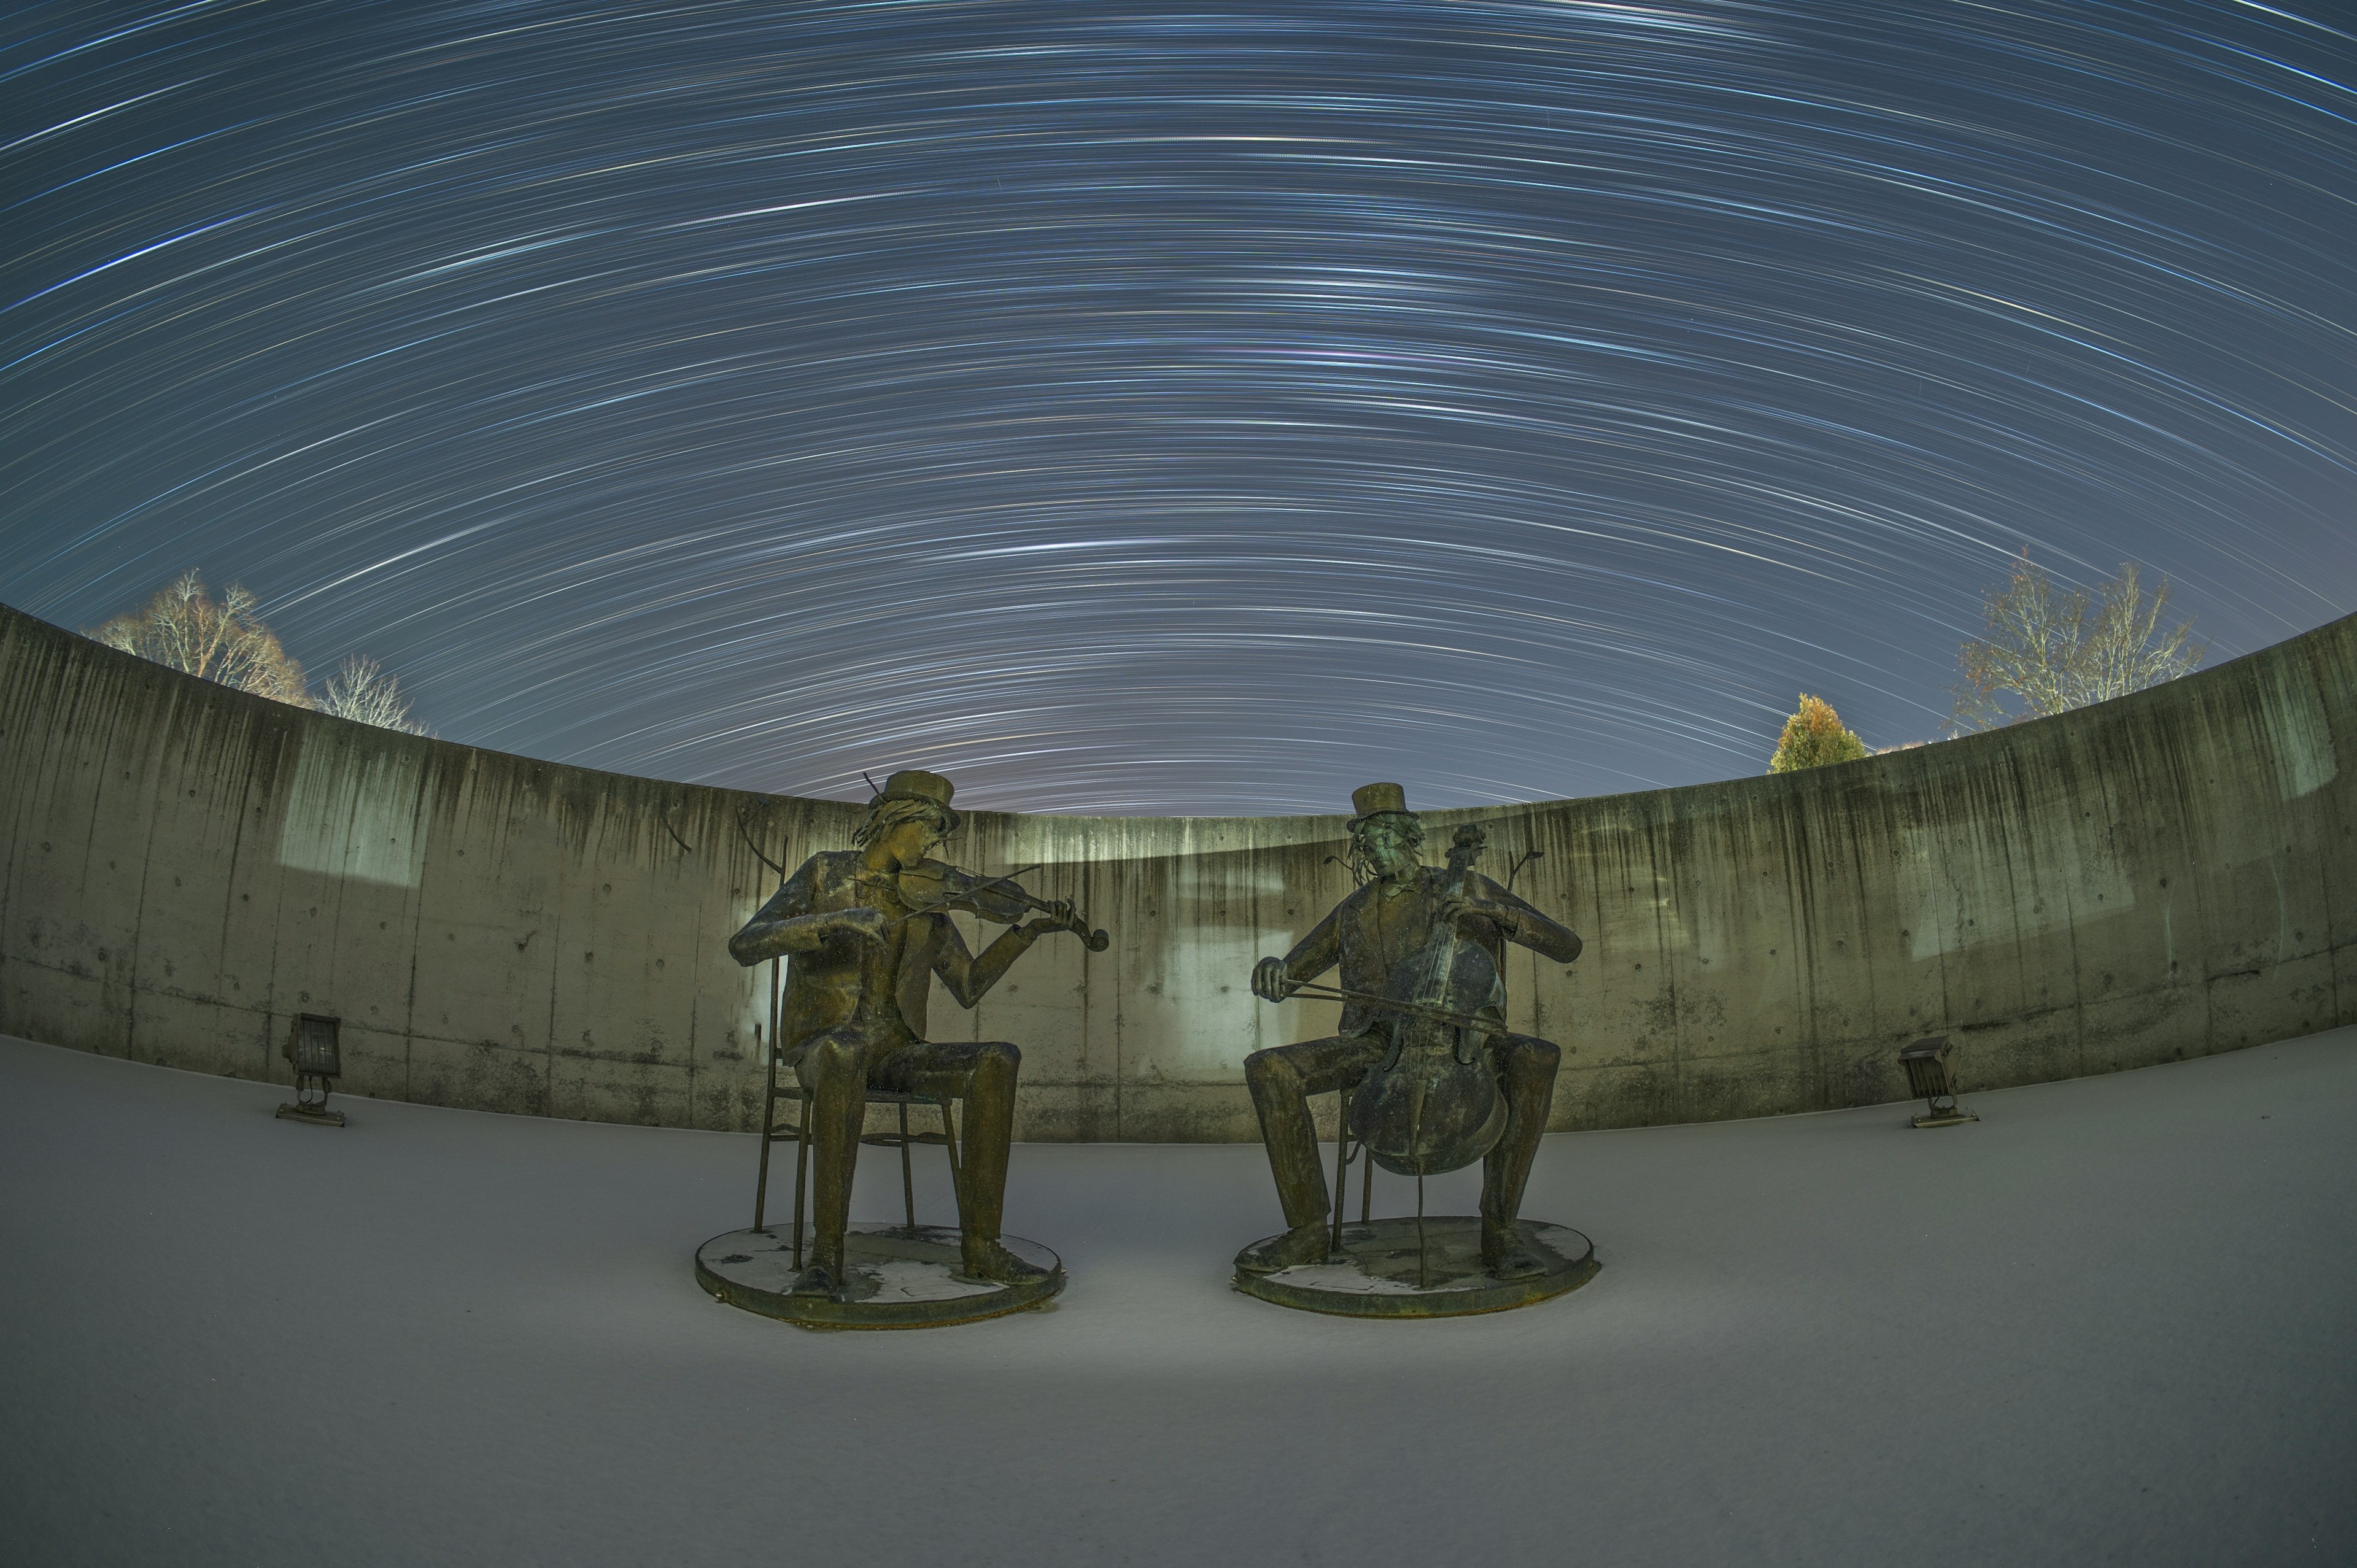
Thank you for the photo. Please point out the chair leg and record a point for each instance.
(1423, 1254)
(907, 1180)
(801, 1174)
(1341, 1165)
(768, 1121)
(950, 1145)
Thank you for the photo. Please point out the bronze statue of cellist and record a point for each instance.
(868, 930)
(1419, 950)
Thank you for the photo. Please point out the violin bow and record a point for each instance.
(1318, 992)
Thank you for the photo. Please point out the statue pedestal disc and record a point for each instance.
(1374, 1274)
(899, 1278)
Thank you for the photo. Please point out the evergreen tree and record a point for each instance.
(1813, 736)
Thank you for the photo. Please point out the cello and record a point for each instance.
(1431, 1103)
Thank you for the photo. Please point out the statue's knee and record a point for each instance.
(829, 1059)
(1269, 1069)
(999, 1058)
(1536, 1055)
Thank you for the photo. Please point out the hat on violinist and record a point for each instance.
(931, 789)
(1376, 800)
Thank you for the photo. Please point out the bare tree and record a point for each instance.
(2046, 652)
(360, 689)
(222, 641)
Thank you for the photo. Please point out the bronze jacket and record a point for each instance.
(1383, 925)
(837, 978)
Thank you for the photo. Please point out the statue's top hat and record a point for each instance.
(1376, 800)
(916, 784)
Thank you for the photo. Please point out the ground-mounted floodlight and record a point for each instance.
(312, 1050)
(1928, 1075)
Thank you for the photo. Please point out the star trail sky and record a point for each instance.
(1189, 411)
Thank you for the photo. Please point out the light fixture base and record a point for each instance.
(1948, 1118)
(317, 1115)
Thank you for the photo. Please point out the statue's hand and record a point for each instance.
(1269, 980)
(1058, 917)
(867, 924)
(1456, 908)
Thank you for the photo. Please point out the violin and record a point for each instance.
(1433, 1105)
(935, 888)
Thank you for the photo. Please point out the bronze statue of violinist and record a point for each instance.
(867, 929)
(1435, 1079)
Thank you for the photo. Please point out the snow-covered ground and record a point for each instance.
(2115, 1322)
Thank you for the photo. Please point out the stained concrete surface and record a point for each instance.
(2111, 1323)
(184, 869)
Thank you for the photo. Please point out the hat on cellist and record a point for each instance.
(1378, 800)
(916, 784)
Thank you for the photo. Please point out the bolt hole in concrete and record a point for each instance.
(2110, 1321)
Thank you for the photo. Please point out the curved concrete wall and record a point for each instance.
(186, 867)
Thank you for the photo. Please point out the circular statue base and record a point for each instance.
(899, 1278)
(1375, 1273)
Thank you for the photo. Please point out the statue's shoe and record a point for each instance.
(1505, 1258)
(987, 1260)
(814, 1280)
(1306, 1244)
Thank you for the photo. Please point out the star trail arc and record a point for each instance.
(1205, 414)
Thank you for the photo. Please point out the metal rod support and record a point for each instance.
(1341, 1166)
(802, 1171)
(769, 1107)
(907, 1181)
(1423, 1269)
(950, 1143)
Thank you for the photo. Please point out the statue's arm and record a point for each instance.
(968, 978)
(1524, 925)
(787, 923)
(1275, 978)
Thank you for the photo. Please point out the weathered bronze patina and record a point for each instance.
(896, 1276)
(1401, 1268)
(867, 929)
(1434, 1078)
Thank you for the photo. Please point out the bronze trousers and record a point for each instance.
(1283, 1078)
(837, 1068)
